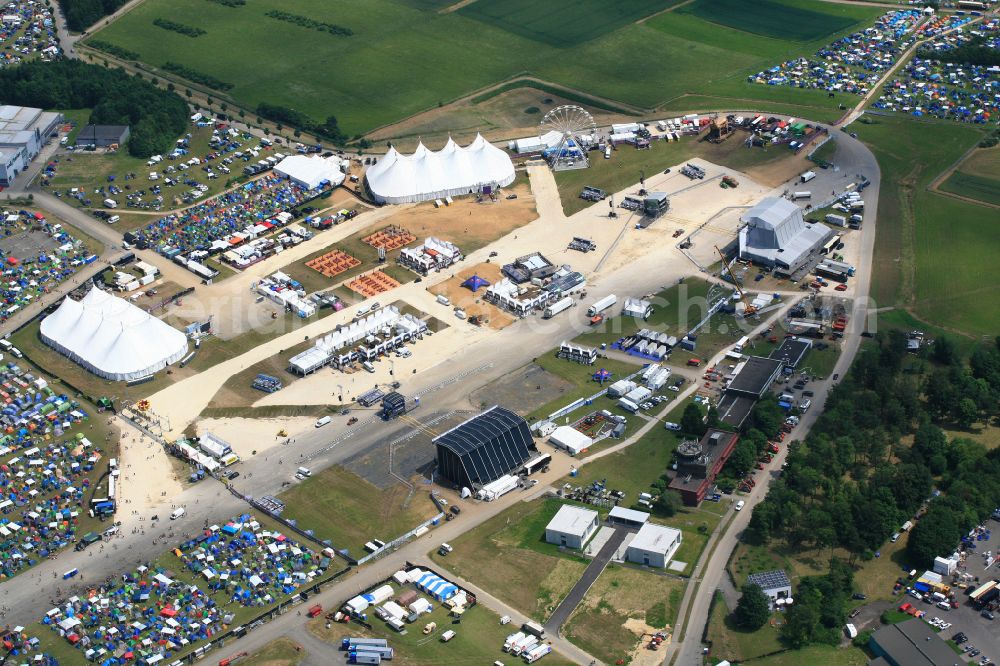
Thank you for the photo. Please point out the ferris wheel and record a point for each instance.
(576, 128)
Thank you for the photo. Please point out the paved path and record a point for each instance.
(590, 574)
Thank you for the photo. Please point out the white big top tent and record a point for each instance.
(111, 337)
(452, 171)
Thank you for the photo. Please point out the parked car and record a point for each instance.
(988, 615)
(859, 596)
(740, 505)
(672, 426)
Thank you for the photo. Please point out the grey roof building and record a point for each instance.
(102, 136)
(23, 132)
(755, 376)
(572, 526)
(911, 643)
(775, 235)
(791, 351)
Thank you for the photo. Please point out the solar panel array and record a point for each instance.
(770, 580)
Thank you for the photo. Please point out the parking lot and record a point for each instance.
(981, 632)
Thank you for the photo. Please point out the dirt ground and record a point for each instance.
(519, 391)
(248, 435)
(473, 303)
(468, 224)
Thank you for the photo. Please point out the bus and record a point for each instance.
(829, 247)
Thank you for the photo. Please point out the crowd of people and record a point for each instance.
(45, 470)
(26, 277)
(27, 30)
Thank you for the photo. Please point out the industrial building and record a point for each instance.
(522, 300)
(775, 585)
(775, 235)
(484, 448)
(791, 351)
(572, 526)
(530, 267)
(910, 643)
(751, 380)
(103, 136)
(23, 132)
(654, 545)
(655, 204)
(699, 463)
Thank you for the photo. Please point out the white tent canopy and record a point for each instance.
(571, 439)
(311, 171)
(111, 337)
(451, 171)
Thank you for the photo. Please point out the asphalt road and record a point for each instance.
(590, 574)
(852, 156)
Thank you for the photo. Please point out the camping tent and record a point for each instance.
(111, 337)
(475, 282)
(312, 171)
(426, 175)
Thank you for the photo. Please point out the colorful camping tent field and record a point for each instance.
(167, 609)
(45, 470)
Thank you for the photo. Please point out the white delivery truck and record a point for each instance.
(177, 513)
(110, 203)
(804, 194)
(602, 305)
(557, 307)
(807, 176)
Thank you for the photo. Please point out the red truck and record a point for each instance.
(315, 611)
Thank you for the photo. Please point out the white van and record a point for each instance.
(805, 405)
(16, 353)
(6, 345)
(114, 218)
(367, 366)
(304, 472)
(110, 203)
(177, 513)
(322, 422)
(443, 300)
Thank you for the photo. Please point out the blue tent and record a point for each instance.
(602, 375)
(475, 282)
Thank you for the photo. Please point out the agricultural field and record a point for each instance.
(349, 511)
(768, 18)
(450, 55)
(978, 177)
(562, 23)
(931, 250)
(623, 603)
(513, 542)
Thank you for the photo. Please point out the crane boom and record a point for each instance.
(748, 308)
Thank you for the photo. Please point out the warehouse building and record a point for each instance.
(910, 643)
(791, 351)
(775, 585)
(751, 380)
(103, 136)
(654, 545)
(775, 235)
(484, 448)
(23, 132)
(571, 527)
(699, 463)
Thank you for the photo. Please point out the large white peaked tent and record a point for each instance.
(452, 171)
(111, 337)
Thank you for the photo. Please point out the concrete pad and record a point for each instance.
(619, 555)
(674, 565)
(603, 535)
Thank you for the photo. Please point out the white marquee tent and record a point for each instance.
(452, 171)
(111, 337)
(311, 171)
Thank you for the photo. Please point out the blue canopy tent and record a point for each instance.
(475, 282)
(601, 376)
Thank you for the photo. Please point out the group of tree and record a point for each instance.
(156, 117)
(179, 28)
(328, 129)
(81, 14)
(856, 478)
(313, 24)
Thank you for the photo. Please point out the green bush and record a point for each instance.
(180, 28)
(312, 24)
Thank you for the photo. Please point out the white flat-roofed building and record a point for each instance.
(23, 132)
(654, 545)
(572, 526)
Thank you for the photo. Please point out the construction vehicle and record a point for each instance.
(748, 308)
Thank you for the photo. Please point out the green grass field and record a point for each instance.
(366, 83)
(341, 506)
(931, 250)
(282, 652)
(513, 543)
(980, 188)
(619, 593)
(562, 22)
(777, 20)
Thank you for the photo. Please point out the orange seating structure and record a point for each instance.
(390, 238)
(372, 284)
(333, 263)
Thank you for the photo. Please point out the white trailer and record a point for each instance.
(557, 307)
(804, 194)
(536, 653)
(602, 304)
(837, 220)
(807, 176)
(524, 645)
(512, 640)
